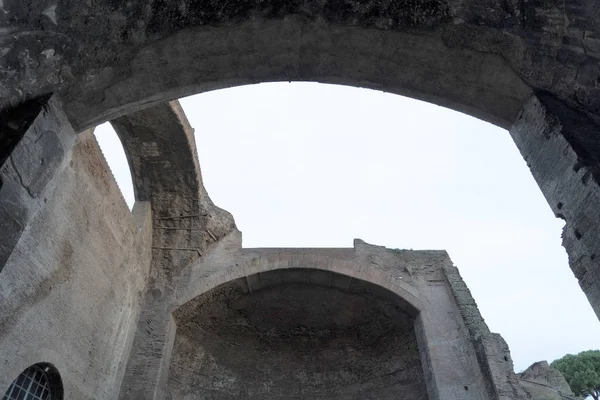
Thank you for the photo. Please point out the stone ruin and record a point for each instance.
(224, 321)
(97, 302)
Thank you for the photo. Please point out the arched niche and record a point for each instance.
(296, 333)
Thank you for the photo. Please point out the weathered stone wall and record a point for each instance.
(562, 148)
(161, 149)
(449, 355)
(71, 289)
(492, 351)
(109, 58)
(544, 382)
(295, 334)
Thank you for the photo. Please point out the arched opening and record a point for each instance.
(296, 334)
(38, 382)
(115, 156)
(396, 172)
(314, 165)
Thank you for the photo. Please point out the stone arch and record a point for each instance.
(536, 64)
(112, 58)
(287, 260)
(414, 280)
(160, 148)
(318, 333)
(499, 61)
(422, 66)
(161, 151)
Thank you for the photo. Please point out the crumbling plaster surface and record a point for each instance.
(71, 291)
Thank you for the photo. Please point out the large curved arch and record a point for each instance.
(261, 261)
(110, 58)
(416, 65)
(268, 329)
(414, 280)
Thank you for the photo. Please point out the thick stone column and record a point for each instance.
(159, 143)
(562, 148)
(35, 137)
(449, 361)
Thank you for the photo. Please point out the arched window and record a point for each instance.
(115, 157)
(37, 382)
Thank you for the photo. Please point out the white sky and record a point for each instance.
(312, 165)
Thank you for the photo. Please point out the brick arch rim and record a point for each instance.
(380, 279)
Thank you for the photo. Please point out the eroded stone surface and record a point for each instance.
(545, 382)
(296, 341)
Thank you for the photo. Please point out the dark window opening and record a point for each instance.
(38, 382)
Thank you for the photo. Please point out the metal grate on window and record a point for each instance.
(32, 384)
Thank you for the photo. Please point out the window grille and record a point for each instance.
(32, 384)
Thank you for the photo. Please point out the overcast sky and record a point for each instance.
(312, 165)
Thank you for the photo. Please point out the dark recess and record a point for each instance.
(15, 122)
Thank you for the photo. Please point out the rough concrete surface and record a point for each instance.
(72, 289)
(294, 341)
(544, 382)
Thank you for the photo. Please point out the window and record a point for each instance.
(38, 382)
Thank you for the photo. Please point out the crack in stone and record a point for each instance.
(12, 162)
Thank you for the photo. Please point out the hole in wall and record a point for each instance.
(113, 151)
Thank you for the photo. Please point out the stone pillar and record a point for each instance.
(35, 138)
(449, 363)
(148, 367)
(159, 143)
(491, 351)
(562, 148)
(173, 249)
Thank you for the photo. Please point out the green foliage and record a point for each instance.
(582, 372)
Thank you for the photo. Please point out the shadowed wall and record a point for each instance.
(295, 341)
